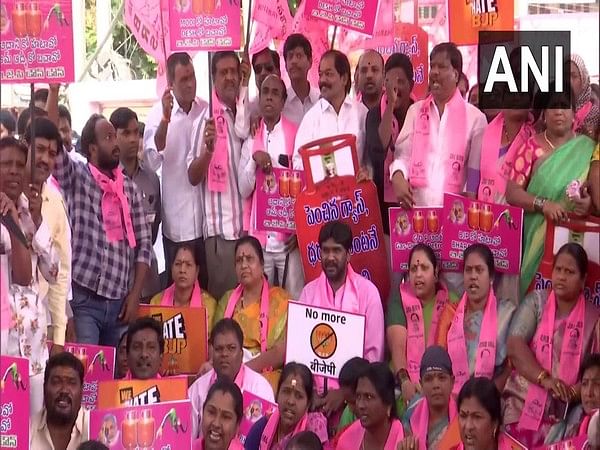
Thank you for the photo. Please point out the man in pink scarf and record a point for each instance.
(340, 288)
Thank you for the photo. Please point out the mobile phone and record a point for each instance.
(284, 160)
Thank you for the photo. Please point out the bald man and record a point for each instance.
(368, 78)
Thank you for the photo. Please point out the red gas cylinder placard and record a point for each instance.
(332, 193)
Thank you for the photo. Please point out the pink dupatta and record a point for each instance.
(453, 136)
(494, 178)
(264, 311)
(486, 348)
(116, 215)
(218, 169)
(289, 131)
(353, 437)
(415, 343)
(570, 357)
(268, 434)
(349, 296)
(168, 297)
(419, 421)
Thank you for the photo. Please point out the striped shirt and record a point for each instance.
(223, 215)
(104, 267)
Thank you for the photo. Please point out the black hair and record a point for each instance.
(227, 386)
(483, 251)
(283, 87)
(372, 50)
(121, 117)
(486, 393)
(427, 250)
(227, 325)
(11, 141)
(123, 336)
(254, 243)
(218, 56)
(141, 128)
(590, 361)
(64, 113)
(382, 379)
(44, 128)
(175, 59)
(339, 232)
(452, 52)
(274, 57)
(342, 66)
(305, 440)
(24, 116)
(92, 445)
(146, 323)
(63, 359)
(578, 253)
(294, 41)
(351, 370)
(41, 95)
(189, 248)
(554, 100)
(8, 121)
(294, 368)
(88, 133)
(400, 61)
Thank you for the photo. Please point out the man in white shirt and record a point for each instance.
(272, 146)
(227, 343)
(62, 424)
(369, 78)
(301, 96)
(335, 112)
(213, 167)
(444, 74)
(264, 63)
(168, 139)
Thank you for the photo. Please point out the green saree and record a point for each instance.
(569, 162)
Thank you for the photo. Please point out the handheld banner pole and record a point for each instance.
(210, 85)
(32, 139)
(333, 37)
(248, 27)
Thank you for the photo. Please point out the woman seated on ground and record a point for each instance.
(475, 331)
(551, 332)
(378, 425)
(221, 416)
(294, 397)
(248, 303)
(185, 290)
(480, 416)
(412, 323)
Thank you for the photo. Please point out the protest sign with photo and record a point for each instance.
(14, 402)
(276, 194)
(116, 393)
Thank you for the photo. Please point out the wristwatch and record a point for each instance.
(538, 203)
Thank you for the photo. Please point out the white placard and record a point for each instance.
(323, 339)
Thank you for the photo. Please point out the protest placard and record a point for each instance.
(318, 334)
(186, 335)
(467, 18)
(275, 199)
(411, 227)
(255, 408)
(117, 393)
(356, 15)
(37, 41)
(14, 402)
(467, 221)
(161, 426)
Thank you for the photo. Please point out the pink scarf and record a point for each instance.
(268, 434)
(349, 296)
(453, 136)
(494, 178)
(415, 344)
(570, 357)
(353, 437)
(168, 298)
(486, 348)
(218, 169)
(419, 421)
(115, 207)
(388, 189)
(289, 131)
(264, 311)
(239, 378)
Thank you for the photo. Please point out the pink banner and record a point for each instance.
(383, 32)
(160, 426)
(468, 222)
(275, 199)
(14, 402)
(579, 442)
(409, 228)
(37, 41)
(356, 15)
(205, 25)
(255, 408)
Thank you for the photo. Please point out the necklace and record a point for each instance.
(548, 141)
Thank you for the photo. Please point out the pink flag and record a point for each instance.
(275, 14)
(383, 33)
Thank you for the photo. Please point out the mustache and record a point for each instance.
(64, 397)
(322, 85)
